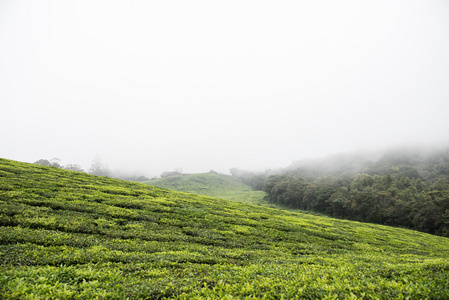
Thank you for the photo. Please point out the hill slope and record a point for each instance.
(212, 185)
(65, 234)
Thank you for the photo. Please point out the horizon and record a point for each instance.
(363, 155)
(154, 86)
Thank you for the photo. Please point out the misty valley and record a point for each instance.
(278, 234)
(406, 187)
(224, 149)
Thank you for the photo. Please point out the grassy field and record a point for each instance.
(212, 185)
(69, 235)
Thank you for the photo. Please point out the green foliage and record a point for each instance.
(255, 180)
(50, 163)
(213, 185)
(402, 188)
(378, 199)
(67, 234)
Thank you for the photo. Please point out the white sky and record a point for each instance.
(214, 84)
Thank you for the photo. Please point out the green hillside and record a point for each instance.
(213, 185)
(68, 235)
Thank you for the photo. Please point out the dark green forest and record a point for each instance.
(403, 188)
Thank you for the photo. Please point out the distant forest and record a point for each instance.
(97, 168)
(401, 188)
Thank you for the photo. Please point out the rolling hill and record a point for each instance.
(66, 234)
(212, 185)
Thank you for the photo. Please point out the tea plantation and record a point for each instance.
(212, 185)
(70, 235)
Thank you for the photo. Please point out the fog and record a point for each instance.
(154, 86)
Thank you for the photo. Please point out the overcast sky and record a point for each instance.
(214, 84)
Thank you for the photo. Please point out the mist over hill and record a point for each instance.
(407, 187)
(375, 162)
(67, 234)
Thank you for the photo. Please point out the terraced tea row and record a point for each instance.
(65, 234)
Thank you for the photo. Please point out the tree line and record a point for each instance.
(98, 168)
(401, 188)
(56, 163)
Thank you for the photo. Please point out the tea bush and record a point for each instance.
(70, 235)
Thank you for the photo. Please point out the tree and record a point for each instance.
(271, 182)
(142, 178)
(99, 168)
(258, 182)
(43, 162)
(54, 162)
(73, 167)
